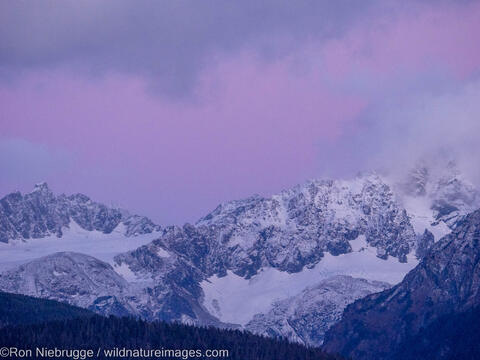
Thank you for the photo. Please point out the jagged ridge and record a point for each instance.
(40, 213)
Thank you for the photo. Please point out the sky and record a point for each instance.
(168, 108)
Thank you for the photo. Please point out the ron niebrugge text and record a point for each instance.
(83, 354)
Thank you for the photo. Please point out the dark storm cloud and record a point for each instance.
(167, 42)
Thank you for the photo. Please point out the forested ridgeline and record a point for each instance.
(108, 333)
(24, 310)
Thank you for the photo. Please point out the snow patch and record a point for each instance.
(161, 252)
(236, 300)
(421, 217)
(75, 239)
(124, 271)
(56, 273)
(359, 244)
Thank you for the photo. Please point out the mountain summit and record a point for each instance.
(40, 213)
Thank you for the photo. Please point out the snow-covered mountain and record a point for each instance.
(250, 262)
(78, 279)
(40, 213)
(307, 316)
(85, 281)
(294, 228)
(446, 282)
(236, 261)
(247, 254)
(39, 223)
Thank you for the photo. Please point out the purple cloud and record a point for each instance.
(287, 101)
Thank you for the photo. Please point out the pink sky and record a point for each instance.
(251, 125)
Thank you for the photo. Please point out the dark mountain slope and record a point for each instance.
(22, 310)
(447, 281)
(452, 336)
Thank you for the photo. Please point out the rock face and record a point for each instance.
(73, 278)
(447, 281)
(424, 243)
(293, 229)
(307, 316)
(85, 281)
(41, 213)
(169, 280)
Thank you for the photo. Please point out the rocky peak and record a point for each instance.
(292, 230)
(41, 188)
(40, 213)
